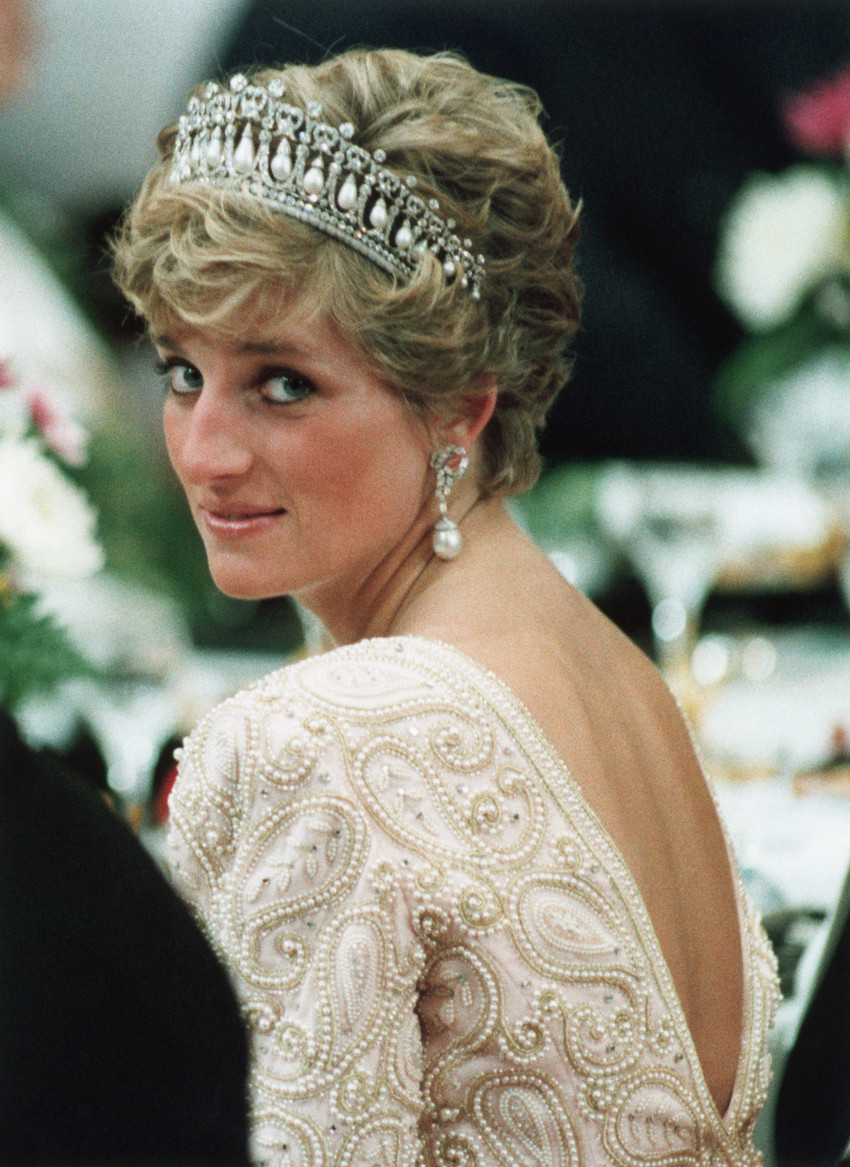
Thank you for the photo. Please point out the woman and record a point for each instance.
(464, 867)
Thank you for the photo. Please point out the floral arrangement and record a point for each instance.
(783, 263)
(47, 531)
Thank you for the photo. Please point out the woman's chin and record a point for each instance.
(242, 585)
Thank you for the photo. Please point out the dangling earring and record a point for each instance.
(447, 541)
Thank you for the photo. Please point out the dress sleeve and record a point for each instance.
(306, 907)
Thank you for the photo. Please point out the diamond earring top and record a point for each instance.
(446, 540)
(245, 137)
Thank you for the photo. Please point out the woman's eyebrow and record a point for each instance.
(269, 347)
(260, 347)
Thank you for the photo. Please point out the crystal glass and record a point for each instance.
(666, 522)
(801, 428)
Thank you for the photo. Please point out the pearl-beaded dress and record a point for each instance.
(441, 955)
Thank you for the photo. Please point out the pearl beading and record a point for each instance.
(244, 137)
(457, 988)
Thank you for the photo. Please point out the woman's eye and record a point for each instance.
(180, 377)
(282, 387)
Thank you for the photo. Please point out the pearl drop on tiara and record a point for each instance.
(244, 137)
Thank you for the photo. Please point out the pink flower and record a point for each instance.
(817, 119)
(63, 436)
(8, 380)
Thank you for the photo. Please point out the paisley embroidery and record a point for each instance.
(381, 1143)
(652, 1123)
(565, 921)
(525, 1122)
(287, 1141)
(442, 959)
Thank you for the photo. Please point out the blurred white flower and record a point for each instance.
(801, 425)
(46, 523)
(782, 235)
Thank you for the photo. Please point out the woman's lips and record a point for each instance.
(236, 521)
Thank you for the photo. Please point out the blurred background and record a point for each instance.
(697, 480)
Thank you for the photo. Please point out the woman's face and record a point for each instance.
(302, 468)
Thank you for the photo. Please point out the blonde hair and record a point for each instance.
(474, 142)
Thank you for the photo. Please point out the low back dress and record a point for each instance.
(442, 956)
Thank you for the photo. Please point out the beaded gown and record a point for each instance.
(441, 954)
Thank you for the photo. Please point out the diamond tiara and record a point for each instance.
(245, 137)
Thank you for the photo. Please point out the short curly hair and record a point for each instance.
(199, 255)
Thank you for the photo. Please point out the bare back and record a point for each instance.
(611, 719)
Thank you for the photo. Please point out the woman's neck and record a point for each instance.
(401, 594)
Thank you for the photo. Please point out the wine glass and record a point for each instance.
(801, 428)
(667, 524)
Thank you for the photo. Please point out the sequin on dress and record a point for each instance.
(442, 957)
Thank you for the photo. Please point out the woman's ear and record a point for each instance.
(470, 416)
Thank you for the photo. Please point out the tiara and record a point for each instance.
(244, 137)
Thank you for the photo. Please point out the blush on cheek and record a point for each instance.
(376, 462)
(170, 432)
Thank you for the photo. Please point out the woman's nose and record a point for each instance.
(211, 443)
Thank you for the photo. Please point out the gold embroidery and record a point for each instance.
(442, 959)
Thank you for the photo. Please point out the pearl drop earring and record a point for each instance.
(447, 541)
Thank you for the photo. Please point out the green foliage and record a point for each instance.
(760, 361)
(60, 240)
(562, 503)
(143, 522)
(35, 652)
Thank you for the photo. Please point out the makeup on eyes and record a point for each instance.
(280, 385)
(168, 369)
(296, 388)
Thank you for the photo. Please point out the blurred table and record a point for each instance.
(773, 746)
